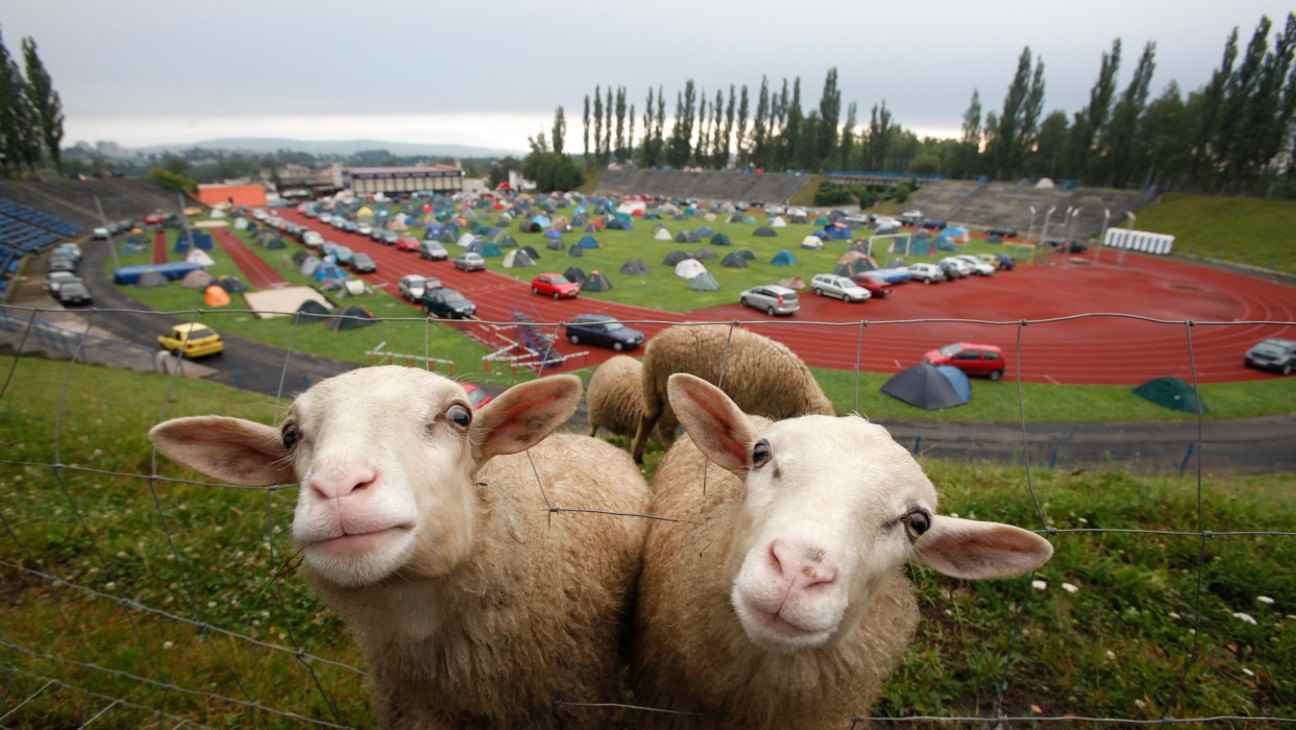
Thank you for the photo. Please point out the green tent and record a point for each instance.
(703, 282)
(1171, 393)
(491, 250)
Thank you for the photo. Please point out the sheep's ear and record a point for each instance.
(978, 550)
(718, 427)
(229, 449)
(523, 415)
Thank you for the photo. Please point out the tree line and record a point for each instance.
(31, 113)
(1233, 134)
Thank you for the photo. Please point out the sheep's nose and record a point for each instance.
(801, 565)
(340, 482)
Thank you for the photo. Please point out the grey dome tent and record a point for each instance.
(507, 241)
(694, 237)
(705, 231)
(634, 266)
(517, 260)
(674, 257)
(720, 239)
(197, 279)
(746, 253)
(151, 279)
(555, 244)
(681, 238)
(352, 318)
(298, 257)
(310, 311)
(275, 244)
(575, 275)
(704, 282)
(924, 386)
(1171, 393)
(733, 260)
(575, 250)
(596, 281)
(764, 232)
(309, 265)
(736, 218)
(232, 284)
(703, 254)
(530, 251)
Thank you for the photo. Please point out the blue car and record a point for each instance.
(602, 330)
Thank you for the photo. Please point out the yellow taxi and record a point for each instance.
(192, 340)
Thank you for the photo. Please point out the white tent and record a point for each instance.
(1044, 184)
(710, 217)
(356, 287)
(517, 257)
(217, 213)
(200, 257)
(630, 206)
(240, 223)
(778, 222)
(689, 268)
(811, 242)
(466, 240)
(662, 234)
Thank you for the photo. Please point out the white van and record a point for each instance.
(841, 287)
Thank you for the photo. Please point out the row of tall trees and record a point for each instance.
(31, 113)
(1235, 133)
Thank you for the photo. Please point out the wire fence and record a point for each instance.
(111, 586)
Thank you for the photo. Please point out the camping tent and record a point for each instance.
(506, 241)
(674, 257)
(466, 240)
(556, 245)
(689, 268)
(517, 259)
(704, 282)
(596, 281)
(298, 257)
(232, 284)
(196, 280)
(733, 260)
(356, 288)
(326, 271)
(705, 232)
(491, 250)
(575, 275)
(1171, 393)
(200, 257)
(928, 387)
(530, 251)
(746, 254)
(553, 233)
(310, 311)
(764, 232)
(351, 318)
(778, 222)
(575, 250)
(634, 266)
(704, 253)
(309, 265)
(783, 258)
(151, 279)
(214, 296)
(811, 242)
(662, 235)
(720, 239)
(275, 244)
(1044, 184)
(587, 242)
(681, 237)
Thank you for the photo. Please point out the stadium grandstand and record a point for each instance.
(429, 178)
(25, 230)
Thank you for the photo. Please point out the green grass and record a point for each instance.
(412, 338)
(997, 402)
(1244, 230)
(224, 563)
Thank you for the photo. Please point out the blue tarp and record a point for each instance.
(836, 233)
(171, 271)
(783, 258)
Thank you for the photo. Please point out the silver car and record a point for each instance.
(771, 299)
(841, 287)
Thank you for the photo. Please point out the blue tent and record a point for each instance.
(720, 239)
(490, 250)
(588, 242)
(541, 221)
(930, 388)
(181, 244)
(553, 234)
(616, 225)
(836, 233)
(328, 270)
(783, 258)
(920, 247)
(958, 380)
(202, 240)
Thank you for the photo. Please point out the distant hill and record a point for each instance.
(332, 147)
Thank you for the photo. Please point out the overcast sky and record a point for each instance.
(144, 71)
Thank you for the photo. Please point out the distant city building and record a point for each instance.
(430, 178)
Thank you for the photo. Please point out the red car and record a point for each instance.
(875, 286)
(971, 358)
(555, 285)
(406, 243)
(153, 219)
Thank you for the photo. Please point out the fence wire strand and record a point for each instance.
(309, 662)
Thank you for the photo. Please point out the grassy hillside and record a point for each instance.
(1243, 230)
(1115, 646)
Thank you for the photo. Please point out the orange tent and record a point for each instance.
(215, 297)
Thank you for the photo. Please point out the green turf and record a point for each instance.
(1115, 647)
(1244, 230)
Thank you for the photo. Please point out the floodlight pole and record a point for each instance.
(184, 220)
(112, 247)
(1072, 214)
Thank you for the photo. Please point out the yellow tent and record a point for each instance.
(216, 297)
(364, 212)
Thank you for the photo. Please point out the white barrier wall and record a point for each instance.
(1155, 243)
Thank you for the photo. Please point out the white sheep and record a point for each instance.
(423, 525)
(781, 602)
(764, 377)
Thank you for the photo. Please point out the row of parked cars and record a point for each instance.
(61, 279)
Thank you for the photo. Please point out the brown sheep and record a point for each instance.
(422, 524)
(780, 600)
(764, 377)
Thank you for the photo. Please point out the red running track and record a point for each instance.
(159, 247)
(259, 274)
(1094, 350)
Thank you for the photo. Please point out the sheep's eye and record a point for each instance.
(916, 523)
(760, 453)
(459, 416)
(291, 435)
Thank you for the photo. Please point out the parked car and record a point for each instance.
(927, 273)
(412, 286)
(771, 299)
(191, 340)
(312, 239)
(979, 267)
(343, 255)
(554, 285)
(477, 397)
(1006, 262)
(152, 219)
(407, 244)
(990, 258)
(100, 234)
(448, 304)
(952, 270)
(604, 331)
(933, 225)
(964, 268)
(362, 263)
(68, 249)
(911, 217)
(62, 263)
(433, 251)
(840, 287)
(389, 238)
(72, 292)
(364, 229)
(376, 234)
(971, 358)
(470, 262)
(1273, 354)
(1002, 232)
(55, 279)
(876, 286)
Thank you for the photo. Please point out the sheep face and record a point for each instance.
(832, 507)
(386, 459)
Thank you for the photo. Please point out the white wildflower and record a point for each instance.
(1111, 654)
(1244, 617)
(168, 645)
(1266, 600)
(1174, 615)
(1070, 588)
(1248, 672)
(1039, 585)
